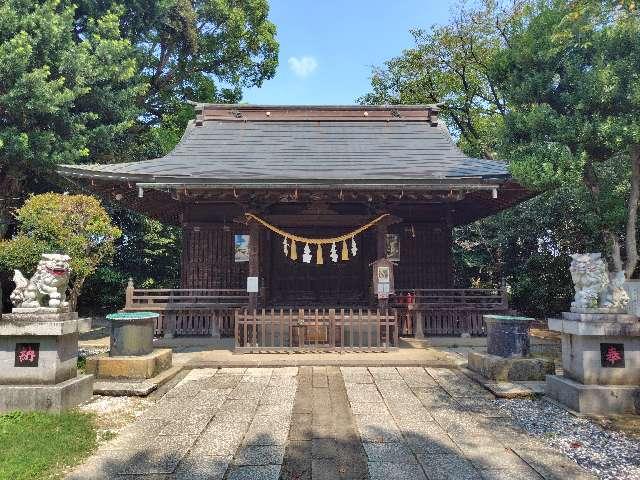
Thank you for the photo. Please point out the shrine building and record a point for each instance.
(342, 212)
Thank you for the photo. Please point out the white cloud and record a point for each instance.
(303, 66)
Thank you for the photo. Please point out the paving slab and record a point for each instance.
(448, 467)
(417, 377)
(363, 393)
(364, 408)
(324, 469)
(384, 373)
(259, 455)
(395, 471)
(263, 472)
(492, 457)
(389, 452)
(324, 448)
(552, 465)
(201, 468)
(326, 422)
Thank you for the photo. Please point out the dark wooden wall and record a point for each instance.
(208, 262)
(425, 255)
(207, 258)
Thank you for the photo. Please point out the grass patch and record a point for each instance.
(40, 445)
(81, 364)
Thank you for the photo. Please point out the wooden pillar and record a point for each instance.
(254, 261)
(381, 231)
(419, 320)
(128, 295)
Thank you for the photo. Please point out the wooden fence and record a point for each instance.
(188, 311)
(416, 312)
(325, 329)
(446, 312)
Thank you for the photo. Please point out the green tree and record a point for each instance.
(63, 99)
(147, 251)
(451, 65)
(528, 245)
(76, 225)
(504, 72)
(572, 70)
(194, 50)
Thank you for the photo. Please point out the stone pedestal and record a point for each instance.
(131, 333)
(511, 369)
(601, 362)
(507, 336)
(38, 360)
(133, 366)
(508, 347)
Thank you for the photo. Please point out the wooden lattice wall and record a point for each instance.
(208, 260)
(425, 256)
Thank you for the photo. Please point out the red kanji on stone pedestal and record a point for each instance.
(613, 355)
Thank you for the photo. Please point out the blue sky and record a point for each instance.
(327, 47)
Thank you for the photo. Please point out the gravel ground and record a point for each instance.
(608, 454)
(85, 352)
(114, 413)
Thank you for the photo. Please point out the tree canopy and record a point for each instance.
(76, 225)
(572, 73)
(63, 99)
(108, 81)
(551, 87)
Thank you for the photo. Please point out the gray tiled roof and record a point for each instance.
(219, 151)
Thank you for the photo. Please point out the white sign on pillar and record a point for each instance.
(252, 285)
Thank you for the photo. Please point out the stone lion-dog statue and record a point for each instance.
(589, 275)
(595, 287)
(47, 287)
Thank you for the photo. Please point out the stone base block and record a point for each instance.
(46, 398)
(594, 399)
(57, 355)
(42, 328)
(130, 367)
(593, 316)
(510, 369)
(39, 315)
(136, 388)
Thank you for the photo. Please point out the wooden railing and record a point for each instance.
(451, 311)
(188, 311)
(326, 329)
(417, 312)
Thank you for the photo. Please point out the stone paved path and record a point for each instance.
(317, 423)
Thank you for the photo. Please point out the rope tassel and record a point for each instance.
(294, 250)
(345, 250)
(319, 259)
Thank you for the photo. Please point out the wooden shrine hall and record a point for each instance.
(313, 226)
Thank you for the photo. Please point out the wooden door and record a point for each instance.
(299, 284)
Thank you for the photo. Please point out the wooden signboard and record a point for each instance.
(383, 278)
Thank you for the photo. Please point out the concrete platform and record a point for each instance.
(138, 367)
(140, 388)
(494, 367)
(594, 399)
(509, 390)
(48, 398)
